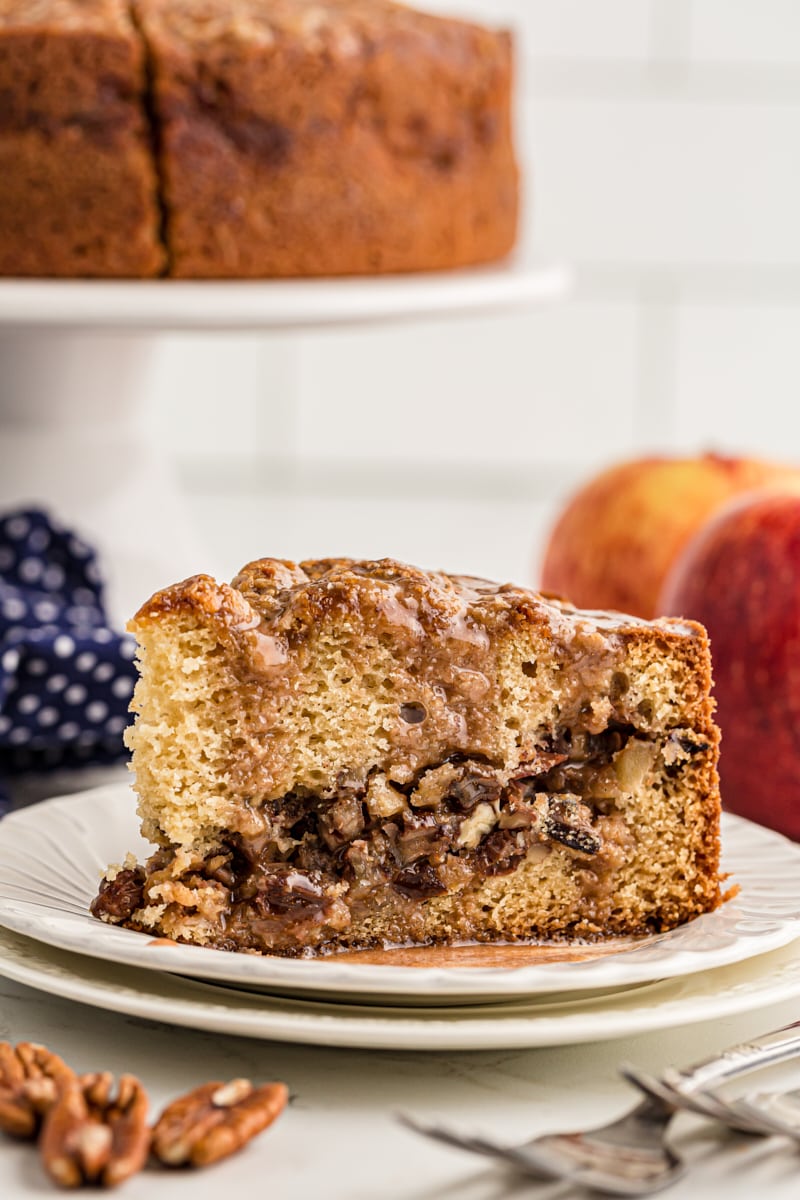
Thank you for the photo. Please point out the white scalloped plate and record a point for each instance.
(665, 1004)
(53, 854)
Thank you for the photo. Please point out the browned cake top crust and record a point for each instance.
(289, 599)
(327, 25)
(74, 16)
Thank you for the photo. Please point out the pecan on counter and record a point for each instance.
(215, 1120)
(31, 1077)
(91, 1136)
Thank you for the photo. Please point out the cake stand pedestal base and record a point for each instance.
(76, 439)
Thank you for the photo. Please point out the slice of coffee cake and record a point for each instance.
(346, 754)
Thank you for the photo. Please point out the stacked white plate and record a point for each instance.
(742, 957)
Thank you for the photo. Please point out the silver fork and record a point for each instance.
(736, 1114)
(766, 1113)
(778, 1111)
(629, 1156)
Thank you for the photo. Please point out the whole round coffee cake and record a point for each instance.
(251, 138)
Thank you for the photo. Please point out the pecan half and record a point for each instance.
(31, 1077)
(92, 1136)
(215, 1120)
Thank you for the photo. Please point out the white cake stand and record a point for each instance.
(76, 360)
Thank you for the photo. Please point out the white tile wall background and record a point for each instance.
(661, 143)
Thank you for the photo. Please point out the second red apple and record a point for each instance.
(740, 576)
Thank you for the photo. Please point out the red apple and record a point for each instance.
(618, 537)
(740, 577)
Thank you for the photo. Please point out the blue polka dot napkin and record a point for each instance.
(66, 678)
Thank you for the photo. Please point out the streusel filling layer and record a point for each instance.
(322, 863)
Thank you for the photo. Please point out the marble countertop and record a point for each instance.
(340, 1140)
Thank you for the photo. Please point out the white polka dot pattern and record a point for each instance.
(66, 678)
